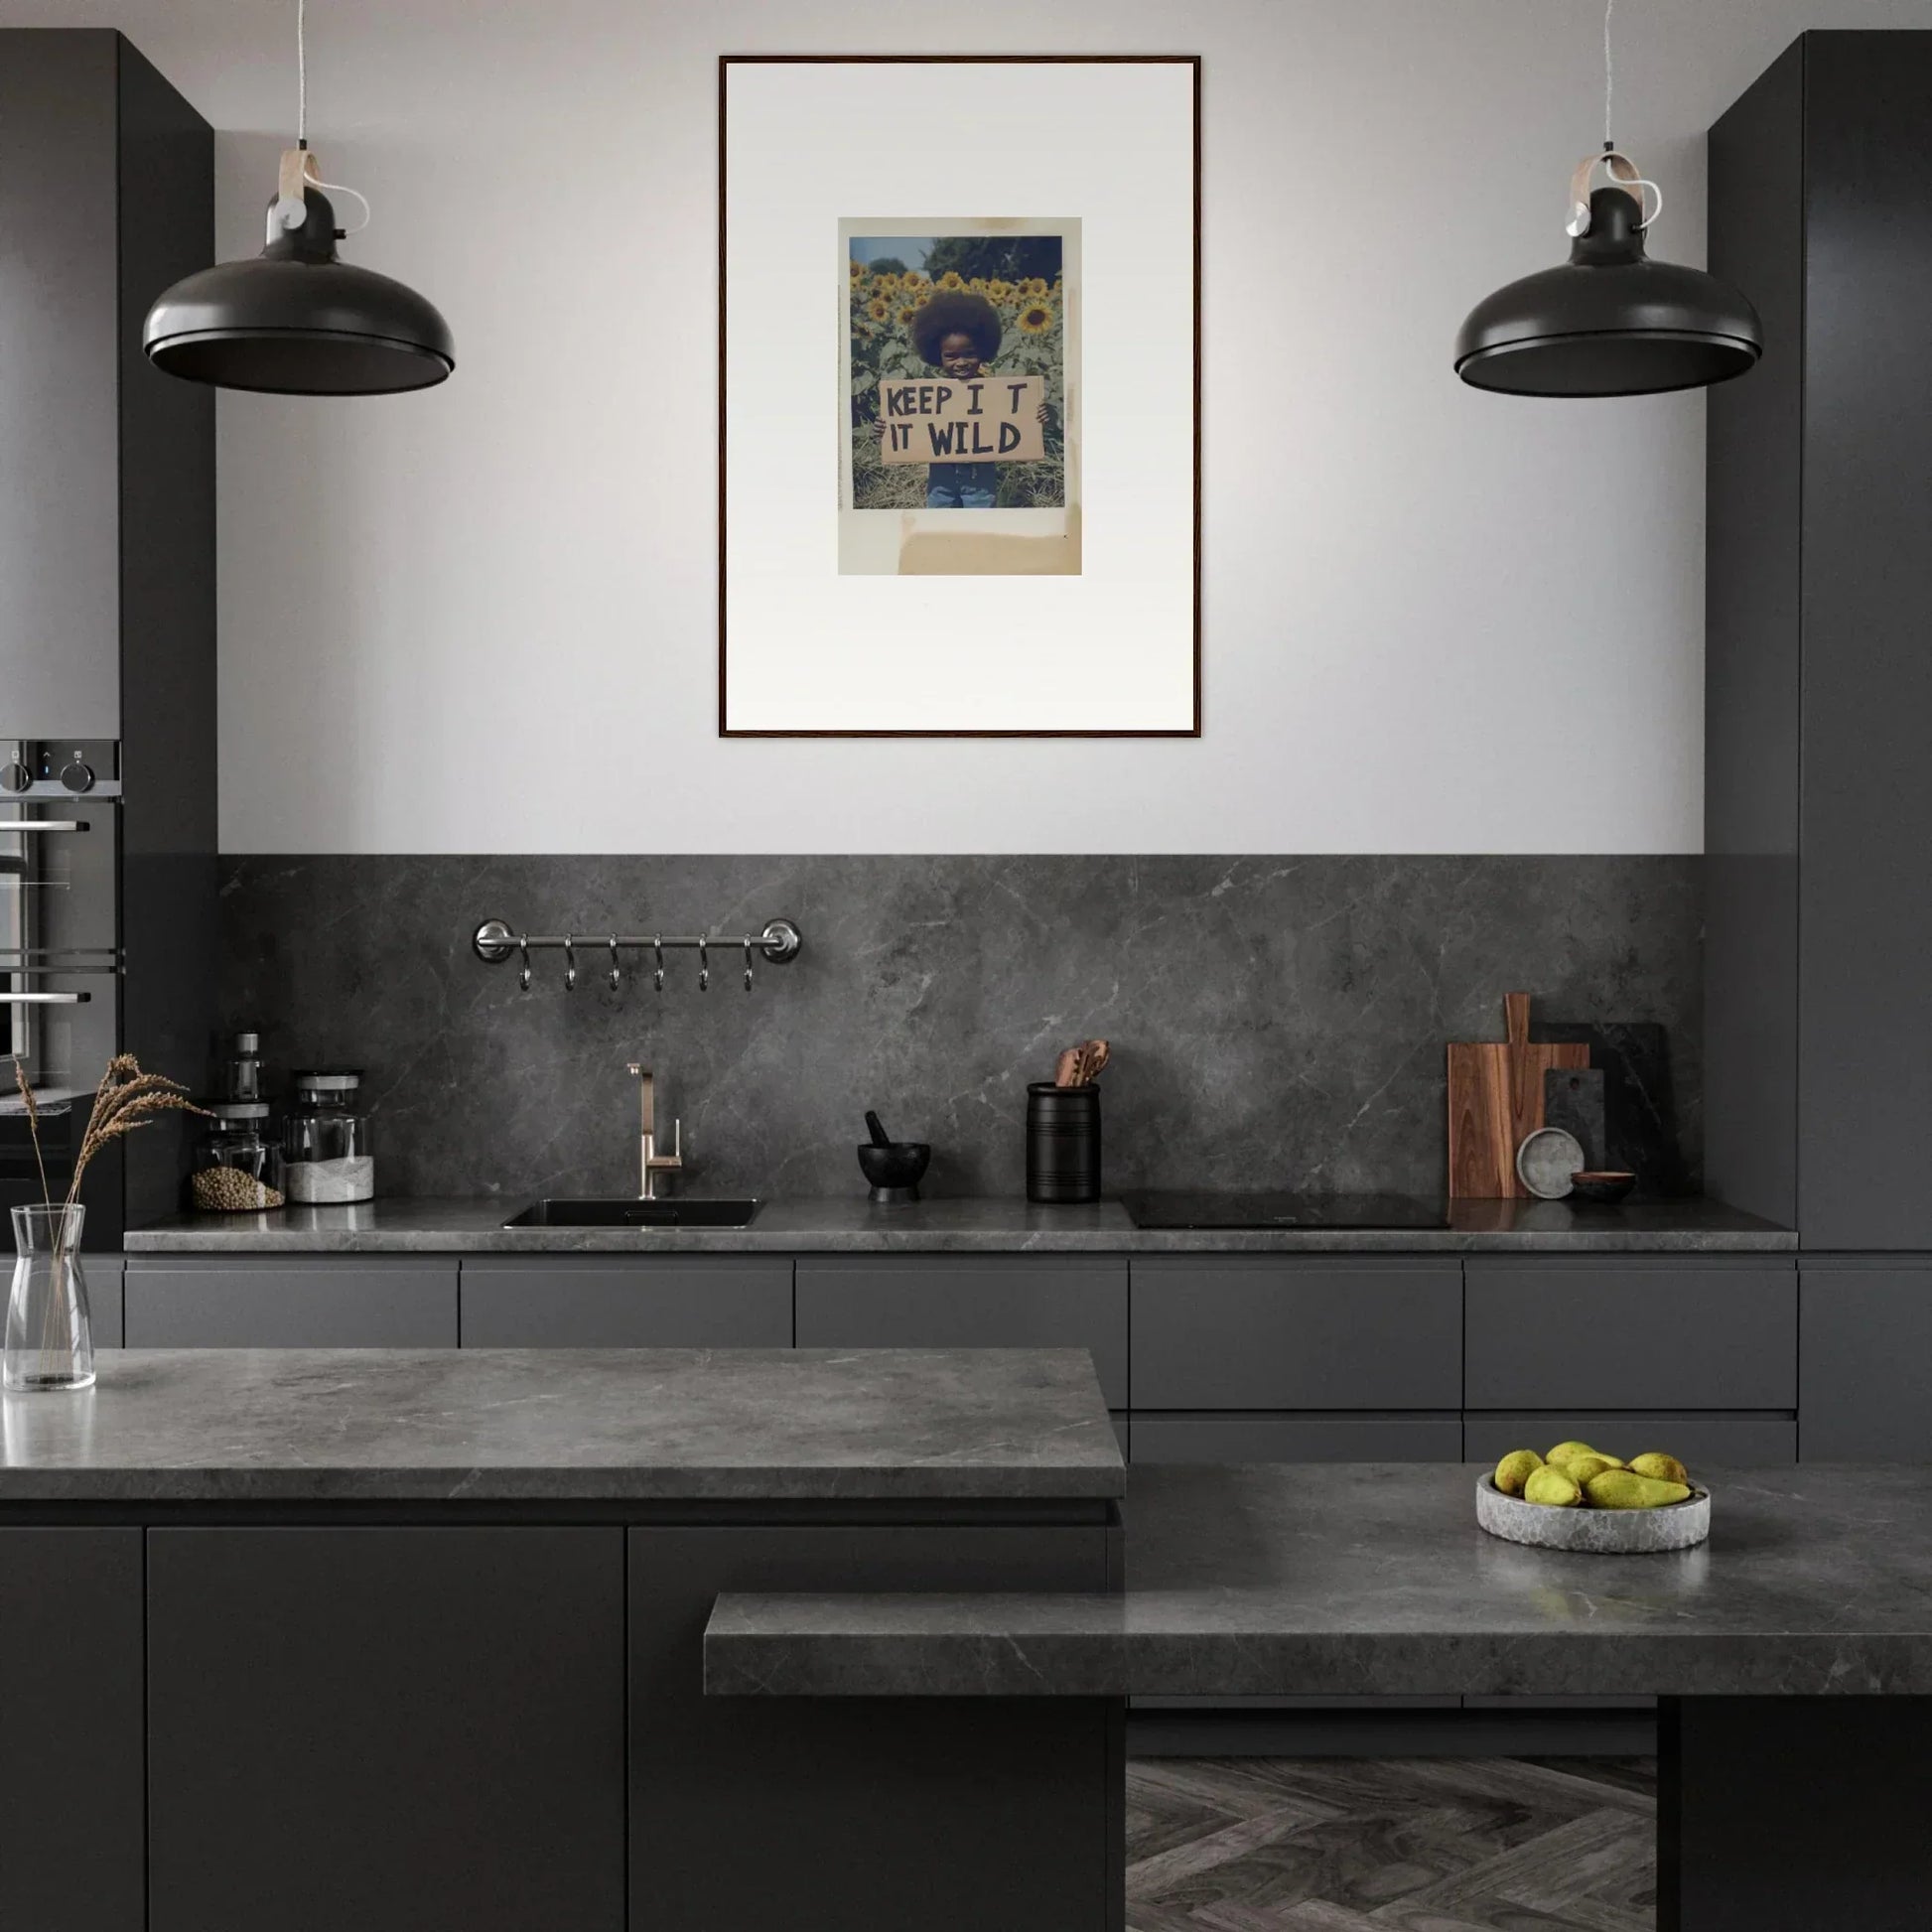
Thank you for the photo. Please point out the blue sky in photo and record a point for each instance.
(869, 248)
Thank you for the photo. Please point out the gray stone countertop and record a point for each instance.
(959, 1226)
(1373, 1578)
(213, 1426)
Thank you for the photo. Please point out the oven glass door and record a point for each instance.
(59, 988)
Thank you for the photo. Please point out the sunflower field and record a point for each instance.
(1033, 321)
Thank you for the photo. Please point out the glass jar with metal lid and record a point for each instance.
(238, 1164)
(327, 1154)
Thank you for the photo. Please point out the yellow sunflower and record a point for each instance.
(878, 310)
(857, 268)
(951, 279)
(1035, 318)
(906, 312)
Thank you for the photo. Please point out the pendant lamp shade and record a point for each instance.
(1609, 321)
(299, 320)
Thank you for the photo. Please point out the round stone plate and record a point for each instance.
(1600, 1532)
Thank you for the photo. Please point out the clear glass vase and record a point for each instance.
(50, 1338)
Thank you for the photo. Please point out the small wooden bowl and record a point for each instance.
(1601, 1184)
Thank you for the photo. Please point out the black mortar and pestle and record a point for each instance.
(892, 1166)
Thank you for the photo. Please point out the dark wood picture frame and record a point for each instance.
(728, 61)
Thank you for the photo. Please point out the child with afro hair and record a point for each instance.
(959, 333)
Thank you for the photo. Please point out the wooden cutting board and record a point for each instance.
(1495, 1100)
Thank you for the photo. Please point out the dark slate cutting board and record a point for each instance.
(1573, 1099)
(1639, 1105)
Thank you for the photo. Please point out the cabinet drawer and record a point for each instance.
(1297, 1439)
(1867, 1377)
(1262, 1332)
(303, 1301)
(1631, 1335)
(686, 1301)
(1721, 1442)
(947, 1302)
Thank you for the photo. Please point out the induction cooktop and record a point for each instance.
(1162, 1209)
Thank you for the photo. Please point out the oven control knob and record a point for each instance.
(15, 776)
(78, 776)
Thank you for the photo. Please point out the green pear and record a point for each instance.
(1625, 1489)
(1515, 1469)
(1551, 1486)
(1666, 1469)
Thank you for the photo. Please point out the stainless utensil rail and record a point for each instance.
(780, 943)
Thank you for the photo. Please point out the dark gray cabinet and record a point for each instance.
(1866, 1356)
(104, 1273)
(71, 1687)
(655, 1302)
(1269, 1333)
(1302, 1437)
(739, 1806)
(1715, 1441)
(970, 1302)
(1630, 1333)
(297, 1302)
(1818, 680)
(407, 1729)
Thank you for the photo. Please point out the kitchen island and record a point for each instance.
(413, 1640)
(1793, 1651)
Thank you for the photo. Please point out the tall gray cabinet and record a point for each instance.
(1819, 712)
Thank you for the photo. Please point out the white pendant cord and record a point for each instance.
(1609, 74)
(290, 212)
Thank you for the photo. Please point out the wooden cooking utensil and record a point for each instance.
(1495, 1100)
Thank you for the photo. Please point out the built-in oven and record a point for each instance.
(60, 967)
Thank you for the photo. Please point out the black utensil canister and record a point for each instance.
(1062, 1143)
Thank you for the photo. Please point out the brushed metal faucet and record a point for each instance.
(650, 1164)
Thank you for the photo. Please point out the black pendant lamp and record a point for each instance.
(297, 320)
(1609, 321)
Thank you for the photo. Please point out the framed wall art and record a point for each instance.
(959, 396)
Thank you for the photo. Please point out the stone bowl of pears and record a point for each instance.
(1579, 1499)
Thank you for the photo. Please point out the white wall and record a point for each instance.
(483, 619)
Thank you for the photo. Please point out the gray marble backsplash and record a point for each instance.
(1276, 1022)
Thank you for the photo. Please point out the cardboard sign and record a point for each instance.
(939, 419)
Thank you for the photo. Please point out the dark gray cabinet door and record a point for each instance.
(60, 430)
(961, 1301)
(104, 1273)
(301, 1301)
(1631, 1334)
(663, 1302)
(1865, 1361)
(1735, 1442)
(391, 1729)
(1269, 1333)
(836, 1814)
(70, 1796)
(1297, 1439)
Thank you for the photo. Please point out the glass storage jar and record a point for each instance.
(238, 1165)
(326, 1156)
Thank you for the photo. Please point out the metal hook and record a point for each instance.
(570, 962)
(748, 965)
(523, 977)
(704, 966)
(616, 971)
(657, 978)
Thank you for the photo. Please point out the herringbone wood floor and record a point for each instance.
(1391, 1845)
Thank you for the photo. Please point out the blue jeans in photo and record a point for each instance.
(961, 485)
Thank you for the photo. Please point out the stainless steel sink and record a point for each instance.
(633, 1213)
